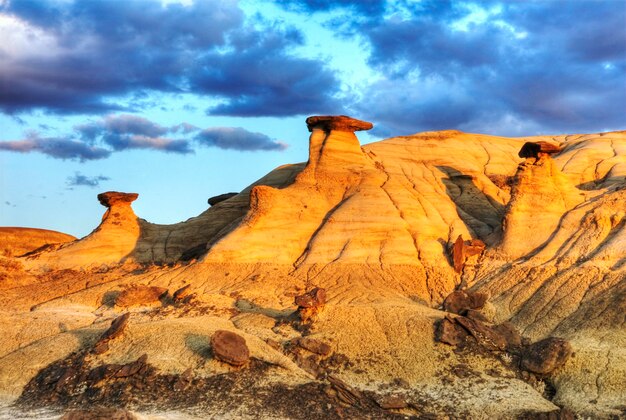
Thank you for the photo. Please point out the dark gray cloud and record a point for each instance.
(237, 139)
(115, 133)
(80, 180)
(109, 50)
(56, 147)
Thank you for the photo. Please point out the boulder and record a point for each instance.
(314, 298)
(115, 198)
(538, 149)
(546, 355)
(337, 123)
(99, 413)
(460, 301)
(392, 402)
(230, 348)
(219, 198)
(140, 295)
(449, 332)
(315, 346)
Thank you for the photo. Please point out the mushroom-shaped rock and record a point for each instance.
(337, 123)
(230, 348)
(219, 198)
(115, 198)
(546, 355)
(538, 149)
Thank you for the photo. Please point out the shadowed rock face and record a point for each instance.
(337, 123)
(219, 198)
(114, 198)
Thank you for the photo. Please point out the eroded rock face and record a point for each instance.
(115, 198)
(546, 355)
(337, 123)
(230, 348)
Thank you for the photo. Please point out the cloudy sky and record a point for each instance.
(182, 100)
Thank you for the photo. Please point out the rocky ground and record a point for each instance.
(440, 275)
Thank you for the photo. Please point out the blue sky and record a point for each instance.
(182, 100)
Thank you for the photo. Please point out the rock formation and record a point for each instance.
(389, 231)
(15, 241)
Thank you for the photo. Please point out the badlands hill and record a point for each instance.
(16, 241)
(438, 274)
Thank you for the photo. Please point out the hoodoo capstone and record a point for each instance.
(538, 149)
(337, 123)
(114, 198)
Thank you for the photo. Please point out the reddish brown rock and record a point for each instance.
(337, 123)
(392, 402)
(114, 198)
(219, 198)
(460, 301)
(546, 355)
(462, 250)
(99, 413)
(315, 297)
(512, 337)
(230, 348)
(485, 335)
(140, 295)
(538, 149)
(184, 294)
(315, 346)
(449, 332)
(115, 330)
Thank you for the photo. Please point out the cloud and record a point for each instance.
(116, 133)
(510, 69)
(80, 180)
(98, 52)
(59, 148)
(237, 139)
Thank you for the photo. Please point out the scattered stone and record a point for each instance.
(316, 297)
(462, 250)
(99, 413)
(118, 325)
(219, 198)
(315, 346)
(348, 394)
(183, 295)
(449, 332)
(114, 198)
(392, 402)
(510, 334)
(460, 301)
(140, 295)
(310, 303)
(485, 335)
(538, 149)
(337, 123)
(230, 348)
(546, 355)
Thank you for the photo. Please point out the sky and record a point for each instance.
(180, 100)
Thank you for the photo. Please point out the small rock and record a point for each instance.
(392, 402)
(512, 337)
(315, 297)
(315, 346)
(99, 413)
(485, 335)
(219, 198)
(118, 325)
(449, 332)
(140, 295)
(460, 301)
(546, 355)
(184, 294)
(230, 348)
(462, 250)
